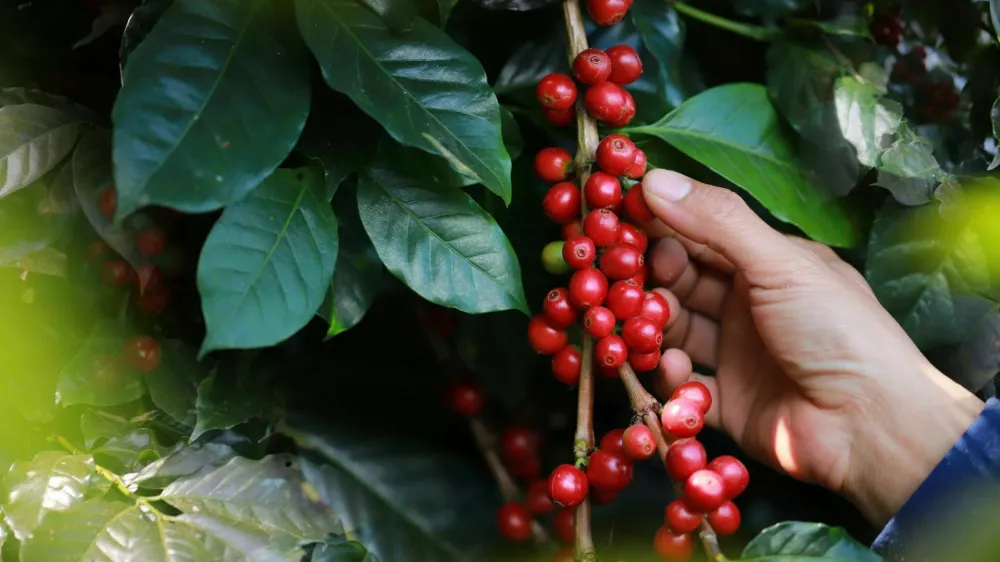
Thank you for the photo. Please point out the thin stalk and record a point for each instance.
(755, 32)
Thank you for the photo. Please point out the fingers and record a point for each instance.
(691, 332)
(700, 289)
(675, 368)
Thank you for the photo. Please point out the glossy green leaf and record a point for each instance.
(95, 376)
(19, 96)
(735, 131)
(512, 138)
(267, 263)
(193, 459)
(909, 170)
(139, 24)
(70, 536)
(425, 89)
(213, 101)
(98, 424)
(173, 385)
(867, 119)
(528, 65)
(800, 81)
(438, 240)
(33, 140)
(804, 542)
(233, 394)
(130, 452)
(663, 34)
(52, 481)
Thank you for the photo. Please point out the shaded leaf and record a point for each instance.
(514, 5)
(94, 376)
(340, 138)
(214, 101)
(995, 16)
(28, 227)
(138, 26)
(800, 81)
(70, 536)
(52, 481)
(512, 138)
(33, 140)
(977, 359)
(173, 385)
(909, 170)
(46, 261)
(663, 33)
(770, 9)
(131, 451)
(348, 551)
(19, 96)
(802, 542)
(190, 460)
(233, 394)
(528, 65)
(867, 119)
(995, 118)
(97, 424)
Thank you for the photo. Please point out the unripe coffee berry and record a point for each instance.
(615, 154)
(537, 499)
(631, 234)
(684, 457)
(601, 226)
(725, 520)
(638, 167)
(627, 114)
(562, 202)
(609, 471)
(734, 474)
(571, 229)
(579, 252)
(552, 258)
(514, 521)
(465, 398)
(564, 524)
(602, 190)
(644, 362)
(613, 441)
(587, 288)
(519, 443)
(599, 322)
(682, 418)
(568, 486)
(656, 309)
(559, 117)
(635, 206)
(625, 65)
(704, 491)
(558, 310)
(566, 365)
(606, 101)
(545, 338)
(556, 91)
(624, 299)
(642, 334)
(607, 12)
(611, 351)
(592, 66)
(621, 261)
(638, 442)
(680, 518)
(553, 164)
(672, 547)
(695, 392)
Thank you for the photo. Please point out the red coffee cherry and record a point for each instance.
(607, 372)
(571, 229)
(635, 206)
(640, 278)
(565, 554)
(603, 497)
(150, 277)
(568, 486)
(684, 457)
(587, 288)
(602, 190)
(107, 203)
(621, 261)
(642, 334)
(601, 226)
(153, 302)
(615, 154)
(514, 521)
(638, 167)
(116, 273)
(672, 547)
(556, 91)
(592, 66)
(680, 519)
(564, 524)
(682, 418)
(559, 117)
(566, 365)
(734, 474)
(599, 322)
(632, 234)
(558, 310)
(537, 499)
(704, 491)
(695, 392)
(150, 242)
(725, 520)
(625, 65)
(519, 443)
(624, 299)
(611, 351)
(607, 12)
(606, 101)
(644, 362)
(609, 471)
(613, 441)
(562, 202)
(544, 337)
(655, 308)
(639, 443)
(627, 114)
(527, 469)
(553, 164)
(141, 353)
(465, 397)
(579, 252)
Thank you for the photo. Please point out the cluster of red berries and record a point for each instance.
(605, 72)
(935, 99)
(139, 354)
(887, 29)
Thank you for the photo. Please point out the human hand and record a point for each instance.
(813, 376)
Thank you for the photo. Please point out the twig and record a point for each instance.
(754, 32)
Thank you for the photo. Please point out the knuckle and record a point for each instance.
(727, 205)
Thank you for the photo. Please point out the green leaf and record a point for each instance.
(193, 459)
(71, 536)
(173, 385)
(909, 170)
(33, 140)
(977, 359)
(918, 262)
(139, 24)
(47, 261)
(800, 80)
(867, 119)
(528, 65)
(95, 376)
(52, 481)
(340, 138)
(29, 225)
(425, 89)
(19, 96)
(348, 551)
(244, 104)
(663, 34)
(233, 394)
(438, 240)
(512, 138)
(770, 9)
(802, 542)
(995, 16)
(734, 130)
(267, 263)
(98, 424)
(131, 451)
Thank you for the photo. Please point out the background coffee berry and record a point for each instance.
(592, 66)
(684, 458)
(556, 91)
(615, 154)
(564, 524)
(602, 191)
(107, 203)
(611, 351)
(553, 164)
(680, 519)
(579, 252)
(568, 486)
(672, 547)
(621, 261)
(599, 322)
(587, 288)
(625, 65)
(682, 418)
(562, 202)
(624, 299)
(606, 101)
(545, 338)
(116, 273)
(141, 353)
(571, 229)
(465, 398)
(537, 499)
(566, 365)
(514, 521)
(519, 443)
(638, 442)
(601, 226)
(609, 471)
(558, 310)
(704, 491)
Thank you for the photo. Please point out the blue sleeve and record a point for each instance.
(954, 487)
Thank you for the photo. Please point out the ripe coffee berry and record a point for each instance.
(609, 471)
(527, 469)
(587, 288)
(635, 206)
(564, 524)
(602, 191)
(638, 167)
(558, 310)
(150, 242)
(628, 112)
(638, 442)
(568, 486)
(642, 334)
(695, 392)
(625, 65)
(624, 299)
(644, 362)
(514, 521)
(607, 12)
(606, 101)
(704, 491)
(601, 226)
(153, 302)
(599, 322)
(559, 117)
(615, 154)
(566, 365)
(150, 277)
(631, 234)
(519, 443)
(656, 309)
(579, 252)
(141, 353)
(107, 203)
(682, 418)
(465, 398)
(684, 458)
(537, 499)
(592, 66)
(613, 441)
(621, 261)
(640, 278)
(116, 273)
(552, 259)
(544, 337)
(553, 164)
(562, 202)
(603, 497)
(725, 520)
(611, 351)
(571, 229)
(734, 474)
(556, 91)
(672, 547)
(680, 519)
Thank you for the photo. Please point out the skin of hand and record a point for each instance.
(813, 376)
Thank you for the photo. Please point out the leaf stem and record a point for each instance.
(755, 32)
(109, 475)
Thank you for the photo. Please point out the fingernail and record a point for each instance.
(666, 184)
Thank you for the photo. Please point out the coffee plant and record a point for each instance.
(267, 266)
